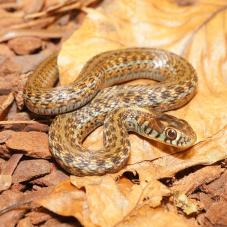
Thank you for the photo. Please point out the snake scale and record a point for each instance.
(91, 101)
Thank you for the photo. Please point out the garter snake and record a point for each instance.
(98, 97)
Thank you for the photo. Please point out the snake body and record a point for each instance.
(120, 108)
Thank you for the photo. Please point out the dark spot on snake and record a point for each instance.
(51, 135)
(139, 98)
(165, 94)
(107, 133)
(100, 162)
(118, 150)
(125, 99)
(73, 140)
(179, 90)
(58, 147)
(189, 84)
(114, 137)
(113, 143)
(178, 141)
(115, 159)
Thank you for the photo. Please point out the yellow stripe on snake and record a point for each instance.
(120, 109)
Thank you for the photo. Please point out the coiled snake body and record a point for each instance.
(120, 108)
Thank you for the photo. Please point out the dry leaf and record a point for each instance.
(104, 203)
(38, 216)
(25, 45)
(5, 102)
(25, 222)
(133, 196)
(191, 182)
(187, 205)
(34, 144)
(5, 182)
(38, 167)
(158, 217)
(67, 200)
(11, 164)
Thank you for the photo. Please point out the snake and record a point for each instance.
(100, 96)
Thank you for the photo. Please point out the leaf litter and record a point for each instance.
(159, 185)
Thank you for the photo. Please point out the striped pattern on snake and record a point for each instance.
(120, 108)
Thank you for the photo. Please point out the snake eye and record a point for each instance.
(171, 133)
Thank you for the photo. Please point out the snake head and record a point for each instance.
(175, 132)
(166, 129)
(161, 127)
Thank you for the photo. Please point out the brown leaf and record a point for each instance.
(217, 213)
(5, 182)
(7, 171)
(55, 222)
(39, 216)
(5, 51)
(25, 222)
(33, 144)
(4, 151)
(5, 102)
(36, 168)
(191, 182)
(25, 45)
(31, 6)
(188, 205)
(10, 200)
(22, 124)
(8, 66)
(6, 86)
(54, 178)
(68, 201)
(11, 218)
(158, 217)
(182, 30)
(109, 203)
